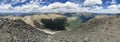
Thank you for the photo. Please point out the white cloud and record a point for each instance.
(98, 7)
(92, 2)
(35, 7)
(5, 7)
(28, 7)
(104, 11)
(114, 7)
(60, 7)
(57, 5)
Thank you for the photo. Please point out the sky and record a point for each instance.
(94, 6)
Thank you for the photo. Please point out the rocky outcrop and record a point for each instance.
(19, 31)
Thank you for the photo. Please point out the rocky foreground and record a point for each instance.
(18, 31)
(99, 29)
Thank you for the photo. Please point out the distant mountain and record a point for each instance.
(84, 16)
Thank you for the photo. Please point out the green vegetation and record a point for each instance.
(73, 24)
(55, 24)
(61, 23)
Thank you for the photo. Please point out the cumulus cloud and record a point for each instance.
(28, 7)
(98, 7)
(54, 7)
(60, 7)
(114, 7)
(5, 7)
(104, 11)
(35, 7)
(92, 2)
(57, 5)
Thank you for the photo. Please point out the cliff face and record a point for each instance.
(99, 29)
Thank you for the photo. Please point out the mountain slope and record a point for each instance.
(104, 29)
(99, 29)
(18, 31)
